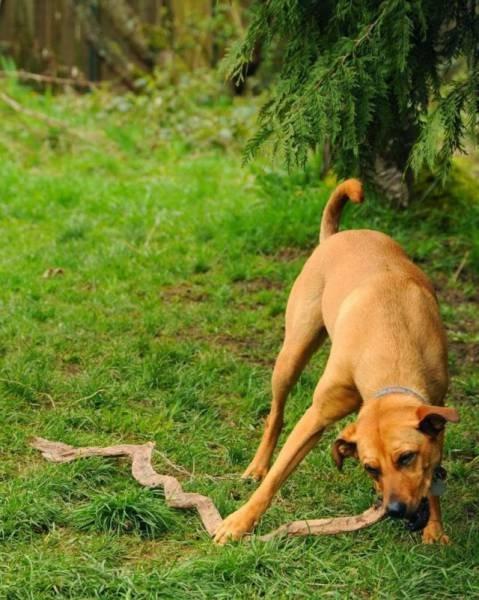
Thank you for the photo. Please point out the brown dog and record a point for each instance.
(388, 359)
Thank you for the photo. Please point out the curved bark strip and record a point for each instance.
(143, 471)
(331, 526)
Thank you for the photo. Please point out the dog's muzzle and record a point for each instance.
(414, 521)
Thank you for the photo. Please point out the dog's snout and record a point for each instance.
(396, 509)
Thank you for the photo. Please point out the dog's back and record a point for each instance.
(350, 259)
(376, 299)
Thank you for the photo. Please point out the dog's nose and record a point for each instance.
(396, 509)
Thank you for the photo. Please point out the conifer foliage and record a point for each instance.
(393, 80)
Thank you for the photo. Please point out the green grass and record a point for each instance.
(164, 326)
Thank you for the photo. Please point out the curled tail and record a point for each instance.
(351, 189)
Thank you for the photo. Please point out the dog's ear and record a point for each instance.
(432, 419)
(345, 445)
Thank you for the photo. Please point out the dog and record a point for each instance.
(388, 360)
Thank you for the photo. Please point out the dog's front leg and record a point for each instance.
(297, 350)
(434, 532)
(301, 440)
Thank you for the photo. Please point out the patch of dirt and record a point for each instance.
(258, 284)
(185, 292)
(165, 552)
(72, 369)
(455, 294)
(466, 353)
(464, 299)
(246, 348)
(290, 253)
(70, 366)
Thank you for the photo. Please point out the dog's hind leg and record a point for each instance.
(303, 337)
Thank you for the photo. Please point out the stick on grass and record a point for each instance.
(143, 471)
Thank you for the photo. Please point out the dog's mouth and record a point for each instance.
(418, 520)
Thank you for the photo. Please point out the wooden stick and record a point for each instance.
(51, 122)
(461, 266)
(40, 78)
(17, 107)
(143, 471)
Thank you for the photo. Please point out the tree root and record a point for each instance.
(143, 471)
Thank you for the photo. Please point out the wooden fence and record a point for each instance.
(106, 39)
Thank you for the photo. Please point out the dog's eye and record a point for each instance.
(406, 458)
(374, 471)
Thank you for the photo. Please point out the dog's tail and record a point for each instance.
(351, 189)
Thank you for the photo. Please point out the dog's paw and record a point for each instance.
(434, 534)
(255, 471)
(235, 526)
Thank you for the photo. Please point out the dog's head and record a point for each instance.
(399, 444)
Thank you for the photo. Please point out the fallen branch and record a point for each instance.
(50, 121)
(143, 471)
(17, 107)
(46, 79)
(461, 266)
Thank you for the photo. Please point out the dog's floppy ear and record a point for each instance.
(432, 419)
(345, 445)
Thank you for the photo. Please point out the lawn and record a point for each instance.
(163, 324)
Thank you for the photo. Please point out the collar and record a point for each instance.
(438, 483)
(399, 389)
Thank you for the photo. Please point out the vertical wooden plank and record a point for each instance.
(81, 44)
(57, 60)
(156, 10)
(148, 10)
(97, 70)
(6, 25)
(187, 15)
(23, 27)
(65, 45)
(41, 17)
(39, 26)
(160, 8)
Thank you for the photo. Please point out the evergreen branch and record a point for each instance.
(341, 60)
(371, 78)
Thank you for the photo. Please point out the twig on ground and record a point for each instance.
(53, 272)
(151, 233)
(27, 76)
(51, 122)
(89, 397)
(143, 471)
(174, 466)
(192, 475)
(461, 266)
